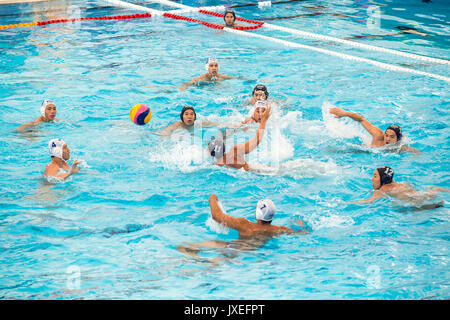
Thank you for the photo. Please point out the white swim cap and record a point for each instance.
(265, 210)
(55, 147)
(209, 61)
(44, 105)
(261, 104)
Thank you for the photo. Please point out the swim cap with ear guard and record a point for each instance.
(260, 104)
(261, 87)
(55, 147)
(229, 11)
(386, 175)
(185, 108)
(216, 147)
(265, 210)
(397, 130)
(208, 61)
(44, 105)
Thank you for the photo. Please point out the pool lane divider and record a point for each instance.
(303, 34)
(42, 23)
(240, 31)
(214, 25)
(256, 24)
(382, 65)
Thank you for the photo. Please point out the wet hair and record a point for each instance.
(261, 87)
(185, 108)
(386, 175)
(229, 11)
(397, 130)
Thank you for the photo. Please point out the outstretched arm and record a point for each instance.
(28, 125)
(167, 131)
(302, 225)
(218, 215)
(52, 172)
(225, 77)
(250, 145)
(185, 85)
(375, 132)
(376, 194)
(409, 149)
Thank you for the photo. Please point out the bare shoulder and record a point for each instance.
(203, 77)
(282, 229)
(51, 169)
(224, 76)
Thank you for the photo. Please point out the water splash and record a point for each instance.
(344, 127)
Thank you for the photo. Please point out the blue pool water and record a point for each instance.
(112, 231)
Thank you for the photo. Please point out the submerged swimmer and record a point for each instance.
(58, 167)
(212, 74)
(188, 117)
(391, 136)
(383, 184)
(230, 19)
(405, 30)
(251, 234)
(48, 114)
(235, 157)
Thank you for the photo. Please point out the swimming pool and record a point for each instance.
(112, 231)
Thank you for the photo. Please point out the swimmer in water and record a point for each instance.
(259, 93)
(405, 30)
(212, 74)
(235, 157)
(230, 19)
(58, 167)
(251, 234)
(188, 118)
(392, 135)
(383, 184)
(260, 107)
(48, 114)
(264, 213)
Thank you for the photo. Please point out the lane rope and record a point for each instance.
(43, 23)
(311, 35)
(325, 51)
(240, 31)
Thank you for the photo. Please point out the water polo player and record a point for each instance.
(392, 135)
(235, 157)
(212, 74)
(48, 114)
(230, 19)
(252, 235)
(188, 119)
(383, 184)
(58, 167)
(260, 107)
(259, 93)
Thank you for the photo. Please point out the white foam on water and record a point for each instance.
(180, 151)
(299, 168)
(215, 226)
(343, 127)
(330, 220)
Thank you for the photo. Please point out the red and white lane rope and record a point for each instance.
(239, 31)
